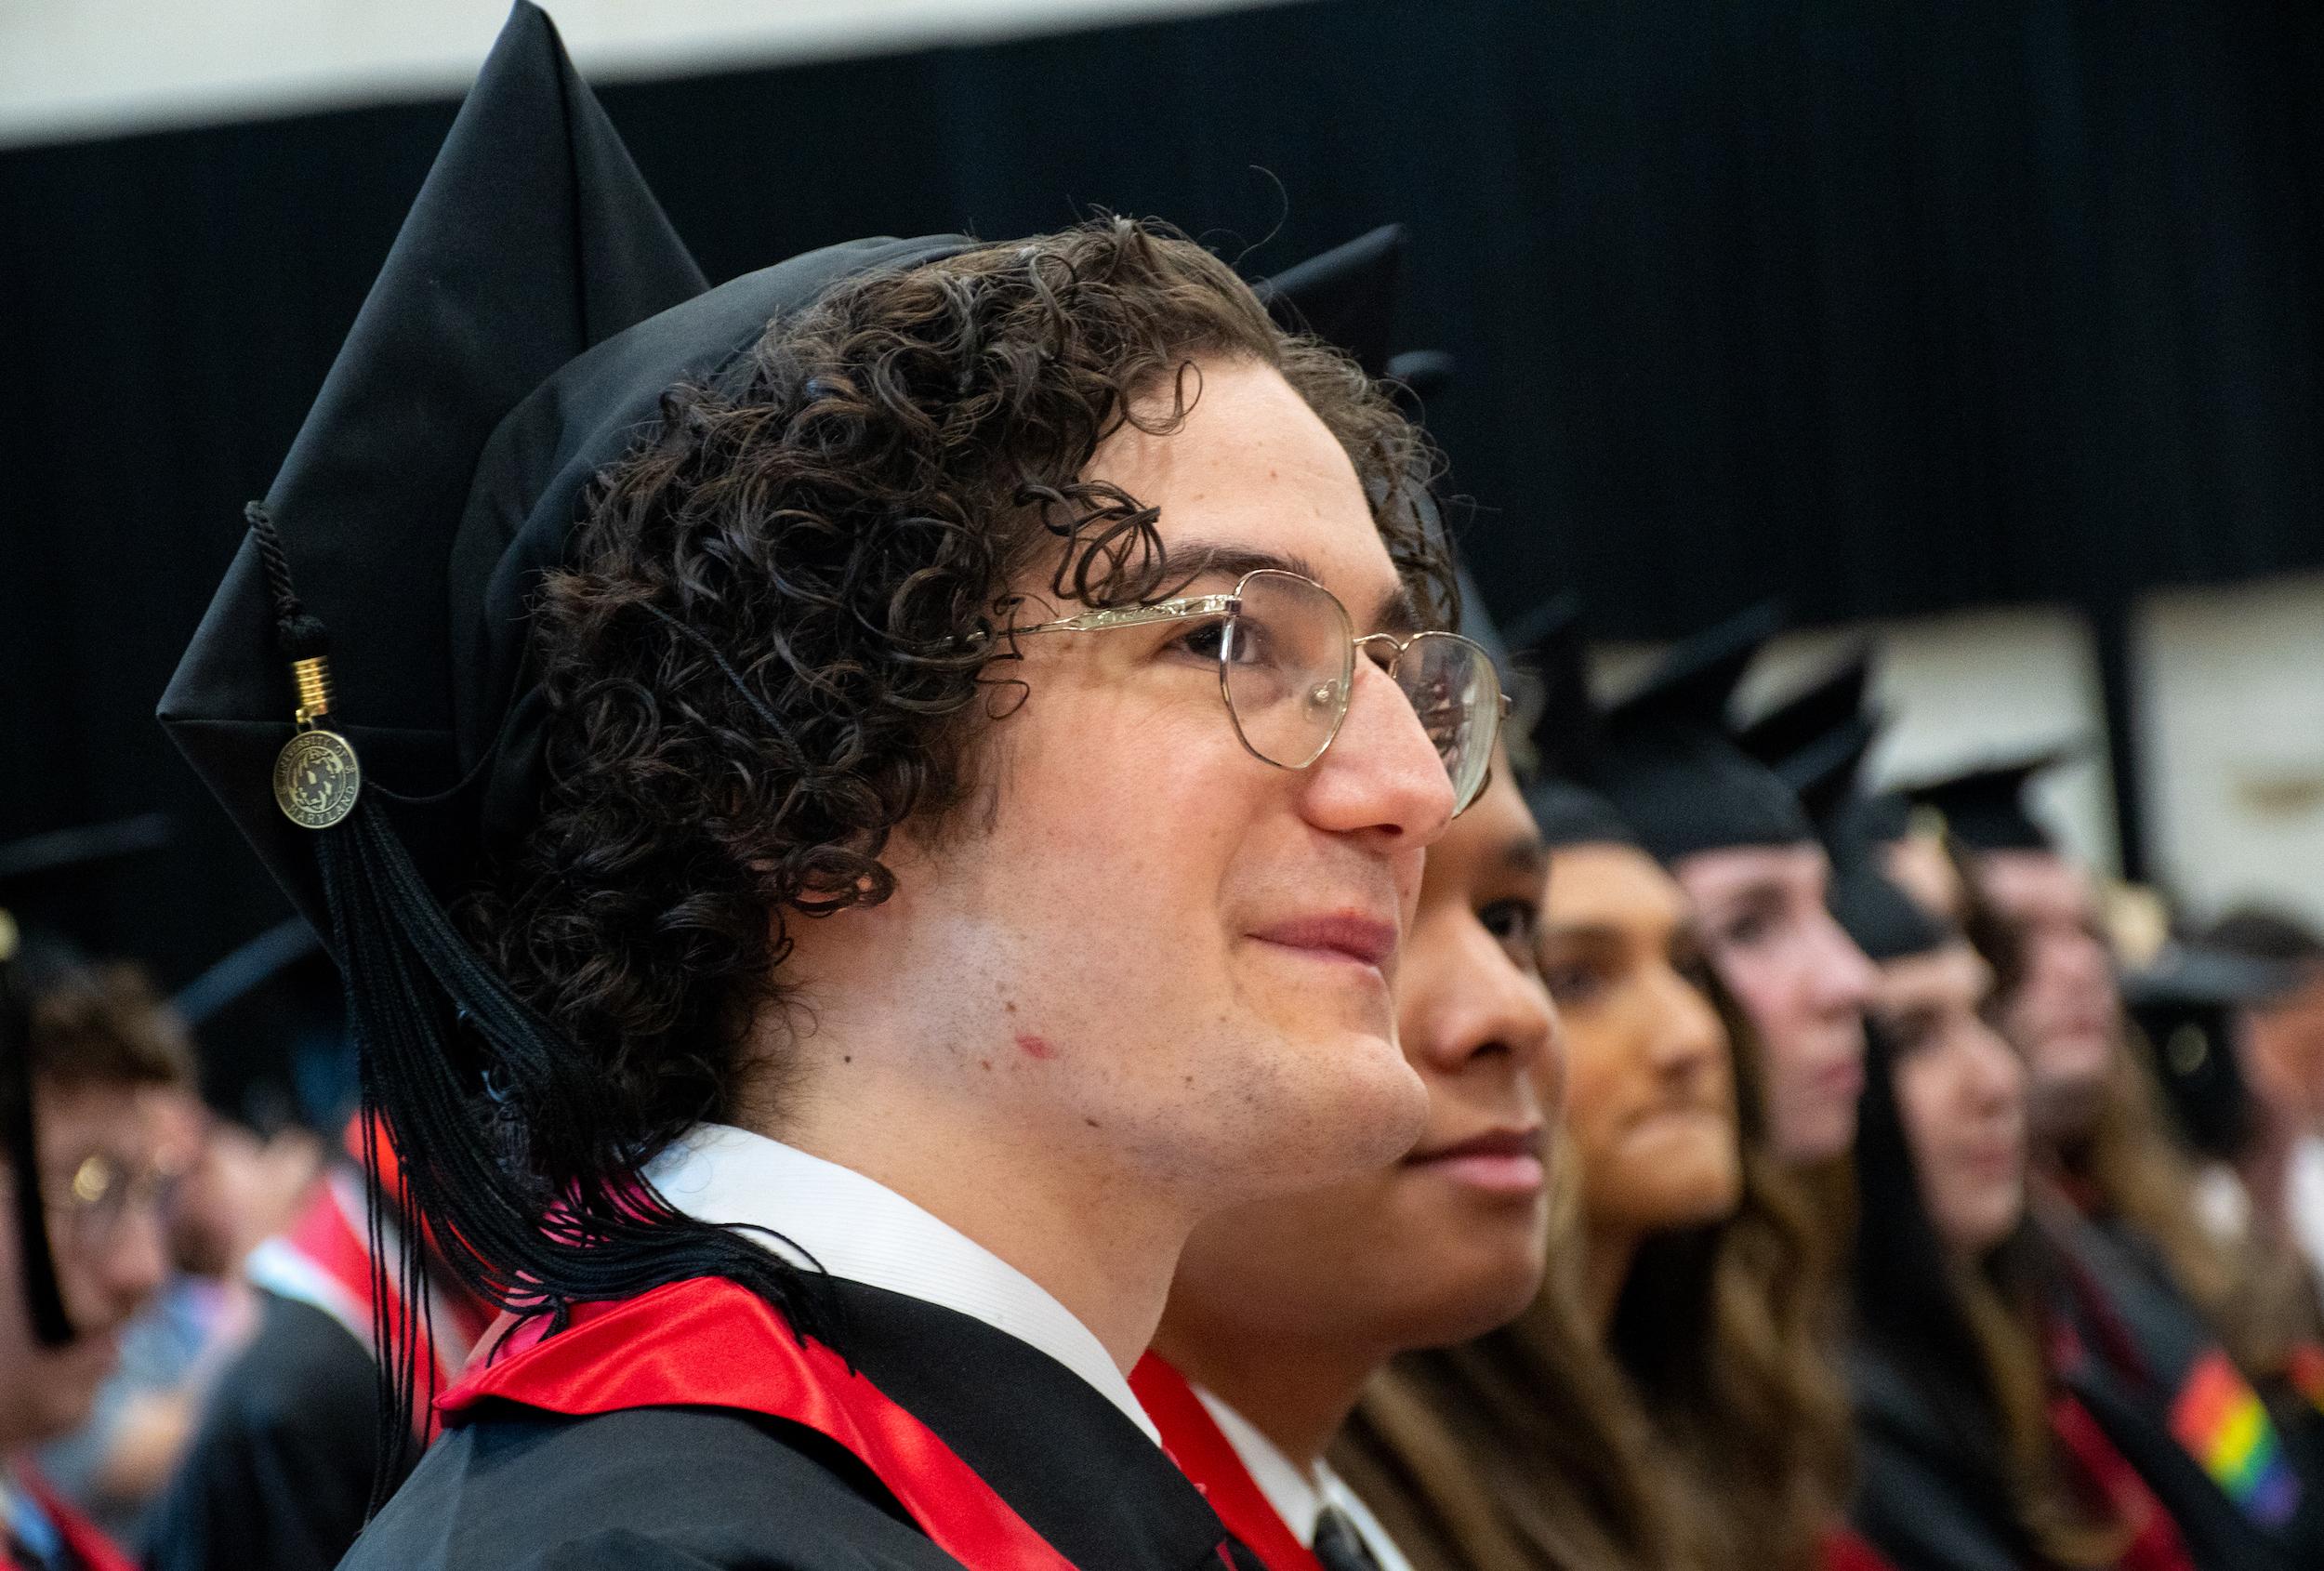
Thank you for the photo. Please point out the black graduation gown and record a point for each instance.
(279, 1471)
(1928, 1495)
(665, 1488)
(2137, 1342)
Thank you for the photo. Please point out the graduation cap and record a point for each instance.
(1667, 760)
(1984, 807)
(1815, 742)
(2185, 1002)
(1878, 818)
(369, 644)
(273, 1029)
(1564, 730)
(1886, 923)
(1345, 295)
(32, 871)
(1815, 739)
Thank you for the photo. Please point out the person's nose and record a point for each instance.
(136, 1259)
(1995, 1077)
(1382, 778)
(1497, 1011)
(1844, 977)
(1685, 1034)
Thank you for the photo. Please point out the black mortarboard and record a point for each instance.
(1878, 818)
(1805, 722)
(1815, 742)
(503, 358)
(2185, 1002)
(532, 315)
(1564, 730)
(1815, 739)
(1886, 923)
(1984, 807)
(1550, 646)
(272, 1030)
(1419, 376)
(1667, 762)
(1345, 295)
(32, 870)
(1476, 622)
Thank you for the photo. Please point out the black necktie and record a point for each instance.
(1338, 1545)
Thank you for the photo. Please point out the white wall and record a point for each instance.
(2231, 683)
(85, 68)
(2229, 691)
(1961, 689)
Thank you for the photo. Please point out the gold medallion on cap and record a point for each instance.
(316, 779)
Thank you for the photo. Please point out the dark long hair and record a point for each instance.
(1966, 1340)
(1706, 1430)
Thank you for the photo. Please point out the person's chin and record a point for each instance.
(1366, 1104)
(1820, 1134)
(1484, 1299)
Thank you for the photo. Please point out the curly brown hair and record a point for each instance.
(787, 616)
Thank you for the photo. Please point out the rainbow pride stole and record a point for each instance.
(2219, 1418)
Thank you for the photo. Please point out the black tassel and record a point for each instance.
(433, 1026)
(51, 1326)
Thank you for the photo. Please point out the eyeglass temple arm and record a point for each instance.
(1136, 615)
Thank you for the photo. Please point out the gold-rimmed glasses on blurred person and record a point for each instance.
(88, 1204)
(1287, 667)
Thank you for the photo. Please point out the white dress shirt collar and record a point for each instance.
(862, 1230)
(1300, 1498)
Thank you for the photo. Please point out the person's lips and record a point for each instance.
(1842, 1078)
(1996, 1158)
(1500, 1161)
(1343, 938)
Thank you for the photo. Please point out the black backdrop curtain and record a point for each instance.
(1885, 307)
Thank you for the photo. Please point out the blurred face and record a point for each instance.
(1802, 982)
(2063, 1013)
(1447, 1243)
(1145, 952)
(240, 1190)
(105, 1153)
(2284, 1044)
(1920, 865)
(1962, 1092)
(1650, 1080)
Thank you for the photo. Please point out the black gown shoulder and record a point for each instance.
(279, 1471)
(692, 1488)
(1928, 1496)
(651, 1487)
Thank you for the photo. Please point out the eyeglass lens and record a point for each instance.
(1287, 655)
(1288, 663)
(1457, 695)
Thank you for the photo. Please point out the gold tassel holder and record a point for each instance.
(316, 777)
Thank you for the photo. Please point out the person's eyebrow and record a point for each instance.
(1591, 934)
(1219, 558)
(1397, 612)
(1526, 854)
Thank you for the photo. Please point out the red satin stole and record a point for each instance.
(1845, 1551)
(2155, 1543)
(1204, 1454)
(83, 1539)
(712, 1343)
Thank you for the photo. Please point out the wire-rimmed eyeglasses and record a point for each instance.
(1287, 669)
